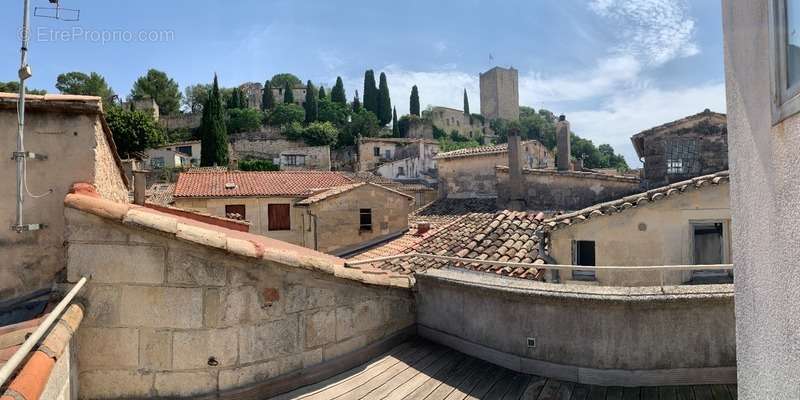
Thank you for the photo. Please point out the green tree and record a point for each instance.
(288, 93)
(322, 94)
(13, 87)
(384, 102)
(235, 101)
(333, 112)
(356, 103)
(466, 104)
(161, 88)
(395, 124)
(363, 123)
(244, 120)
(89, 85)
(281, 80)
(312, 111)
(133, 131)
(414, 104)
(213, 133)
(195, 96)
(370, 92)
(285, 114)
(337, 93)
(320, 134)
(267, 99)
(258, 165)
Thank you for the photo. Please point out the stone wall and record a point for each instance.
(500, 94)
(601, 336)
(450, 119)
(266, 145)
(566, 190)
(469, 177)
(181, 121)
(77, 151)
(317, 158)
(166, 317)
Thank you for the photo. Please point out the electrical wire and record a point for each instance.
(25, 165)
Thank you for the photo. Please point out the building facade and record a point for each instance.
(313, 158)
(452, 120)
(500, 94)
(298, 91)
(693, 146)
(191, 148)
(252, 92)
(373, 152)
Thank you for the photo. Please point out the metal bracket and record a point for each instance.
(27, 154)
(27, 227)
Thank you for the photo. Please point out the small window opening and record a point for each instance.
(584, 254)
(365, 219)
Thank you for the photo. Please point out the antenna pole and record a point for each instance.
(19, 155)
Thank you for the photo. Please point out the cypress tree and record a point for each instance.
(288, 94)
(337, 93)
(267, 99)
(370, 92)
(312, 110)
(414, 106)
(356, 103)
(395, 125)
(213, 134)
(384, 102)
(322, 95)
(466, 103)
(233, 101)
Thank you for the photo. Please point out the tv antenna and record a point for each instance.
(20, 156)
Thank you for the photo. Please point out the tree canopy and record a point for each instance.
(288, 93)
(322, 94)
(13, 87)
(80, 83)
(286, 113)
(283, 79)
(356, 103)
(213, 133)
(244, 120)
(133, 131)
(414, 103)
(395, 124)
(337, 93)
(267, 98)
(194, 96)
(310, 105)
(466, 103)
(370, 92)
(161, 88)
(384, 102)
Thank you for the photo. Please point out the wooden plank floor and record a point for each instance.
(421, 370)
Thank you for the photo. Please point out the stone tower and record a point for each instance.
(500, 93)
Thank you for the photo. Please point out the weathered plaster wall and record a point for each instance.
(607, 336)
(77, 152)
(262, 145)
(338, 224)
(159, 312)
(765, 186)
(566, 190)
(665, 238)
(256, 213)
(316, 158)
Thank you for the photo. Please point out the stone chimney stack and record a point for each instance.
(563, 144)
(139, 186)
(515, 182)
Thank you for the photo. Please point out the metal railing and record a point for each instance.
(559, 267)
(13, 363)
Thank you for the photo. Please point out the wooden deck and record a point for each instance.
(422, 370)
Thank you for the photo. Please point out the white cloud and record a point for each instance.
(655, 30)
(624, 115)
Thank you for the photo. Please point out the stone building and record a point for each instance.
(310, 158)
(299, 92)
(693, 146)
(450, 119)
(156, 159)
(267, 144)
(71, 131)
(146, 105)
(685, 223)
(373, 152)
(500, 94)
(252, 92)
(469, 173)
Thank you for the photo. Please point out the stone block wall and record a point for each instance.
(266, 145)
(166, 317)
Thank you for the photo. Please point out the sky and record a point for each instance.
(613, 67)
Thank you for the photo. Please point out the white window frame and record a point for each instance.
(785, 100)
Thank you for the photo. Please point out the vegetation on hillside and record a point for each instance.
(133, 131)
(161, 88)
(213, 132)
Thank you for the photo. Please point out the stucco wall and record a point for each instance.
(566, 190)
(77, 152)
(317, 158)
(338, 224)
(665, 238)
(764, 191)
(159, 312)
(608, 336)
(256, 213)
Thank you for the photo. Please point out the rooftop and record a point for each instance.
(705, 115)
(257, 184)
(344, 189)
(396, 140)
(479, 151)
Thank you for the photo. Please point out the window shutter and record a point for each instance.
(278, 217)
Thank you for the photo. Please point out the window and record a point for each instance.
(709, 247)
(235, 211)
(295, 159)
(401, 171)
(157, 162)
(365, 219)
(681, 155)
(583, 254)
(278, 218)
(785, 58)
(376, 151)
(185, 150)
(387, 154)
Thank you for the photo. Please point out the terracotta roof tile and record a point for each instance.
(160, 193)
(343, 189)
(257, 184)
(478, 151)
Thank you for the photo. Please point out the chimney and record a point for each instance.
(515, 183)
(563, 144)
(139, 186)
(423, 228)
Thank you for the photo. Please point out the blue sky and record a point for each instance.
(614, 67)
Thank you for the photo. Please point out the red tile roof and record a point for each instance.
(257, 184)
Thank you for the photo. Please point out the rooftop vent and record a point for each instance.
(230, 186)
